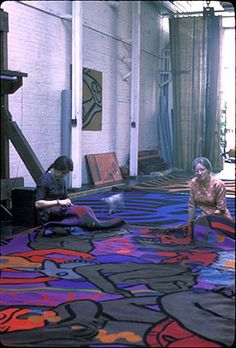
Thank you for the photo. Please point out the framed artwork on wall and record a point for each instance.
(92, 100)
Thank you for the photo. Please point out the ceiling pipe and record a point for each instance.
(179, 14)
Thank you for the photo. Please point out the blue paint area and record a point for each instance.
(147, 208)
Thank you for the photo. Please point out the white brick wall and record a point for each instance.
(40, 45)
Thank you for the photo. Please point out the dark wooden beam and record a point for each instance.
(4, 146)
(4, 21)
(11, 81)
(22, 146)
(5, 170)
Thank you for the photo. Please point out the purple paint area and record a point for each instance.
(213, 237)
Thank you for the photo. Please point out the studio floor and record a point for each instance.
(152, 281)
(228, 173)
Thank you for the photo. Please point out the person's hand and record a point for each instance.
(65, 202)
(217, 211)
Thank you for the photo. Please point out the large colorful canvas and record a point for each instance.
(176, 184)
(147, 208)
(120, 286)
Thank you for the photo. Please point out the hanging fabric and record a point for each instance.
(164, 116)
(164, 124)
(195, 44)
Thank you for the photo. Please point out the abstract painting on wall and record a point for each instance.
(92, 100)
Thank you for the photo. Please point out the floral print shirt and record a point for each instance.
(209, 197)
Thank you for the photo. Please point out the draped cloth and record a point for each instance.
(195, 46)
(81, 216)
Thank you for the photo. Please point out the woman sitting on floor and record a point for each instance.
(55, 209)
(206, 191)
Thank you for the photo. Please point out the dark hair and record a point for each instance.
(63, 163)
(204, 161)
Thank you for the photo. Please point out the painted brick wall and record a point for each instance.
(107, 37)
(40, 45)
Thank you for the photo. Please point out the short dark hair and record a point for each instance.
(204, 161)
(63, 163)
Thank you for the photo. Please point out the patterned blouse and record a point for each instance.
(208, 197)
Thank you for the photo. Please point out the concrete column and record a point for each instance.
(77, 83)
(135, 87)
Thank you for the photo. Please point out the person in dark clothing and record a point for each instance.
(51, 190)
(56, 213)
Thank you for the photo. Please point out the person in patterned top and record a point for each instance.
(206, 191)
